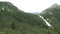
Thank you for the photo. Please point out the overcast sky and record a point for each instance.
(33, 5)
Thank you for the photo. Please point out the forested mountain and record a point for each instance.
(52, 15)
(16, 21)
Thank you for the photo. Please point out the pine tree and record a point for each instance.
(13, 25)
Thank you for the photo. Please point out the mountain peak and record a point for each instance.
(7, 6)
(54, 5)
(1, 3)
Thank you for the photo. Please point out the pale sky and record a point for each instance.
(33, 5)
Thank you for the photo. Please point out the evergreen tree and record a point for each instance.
(13, 25)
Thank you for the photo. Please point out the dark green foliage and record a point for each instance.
(15, 21)
(49, 32)
(13, 26)
(58, 32)
(53, 16)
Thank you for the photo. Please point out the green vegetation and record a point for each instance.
(53, 16)
(15, 21)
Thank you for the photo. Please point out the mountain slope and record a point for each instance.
(15, 21)
(52, 15)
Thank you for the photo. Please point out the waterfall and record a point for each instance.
(47, 23)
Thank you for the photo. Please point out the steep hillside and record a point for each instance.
(15, 21)
(52, 15)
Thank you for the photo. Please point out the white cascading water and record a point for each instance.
(47, 23)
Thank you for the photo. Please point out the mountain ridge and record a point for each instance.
(15, 21)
